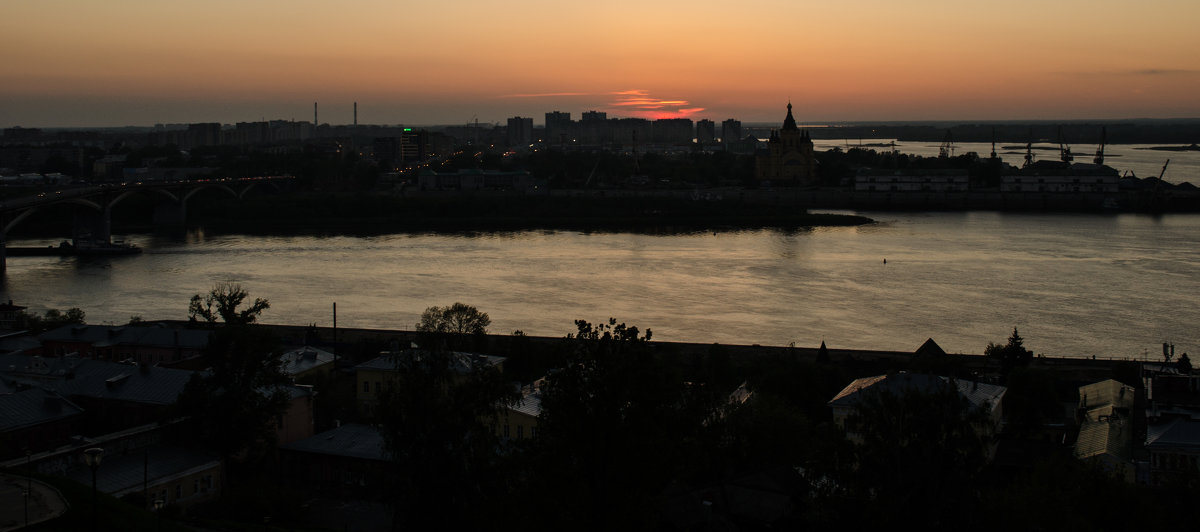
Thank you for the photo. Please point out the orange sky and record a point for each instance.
(140, 62)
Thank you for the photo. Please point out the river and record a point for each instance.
(1075, 285)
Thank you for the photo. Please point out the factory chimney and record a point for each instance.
(355, 114)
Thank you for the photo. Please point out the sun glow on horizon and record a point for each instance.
(444, 63)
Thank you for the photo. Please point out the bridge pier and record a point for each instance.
(170, 213)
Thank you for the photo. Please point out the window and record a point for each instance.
(195, 486)
(366, 386)
(532, 432)
(520, 432)
(377, 387)
(178, 491)
(505, 430)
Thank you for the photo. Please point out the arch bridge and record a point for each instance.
(93, 220)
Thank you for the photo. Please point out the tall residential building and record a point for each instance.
(594, 116)
(558, 124)
(674, 131)
(520, 131)
(706, 131)
(731, 131)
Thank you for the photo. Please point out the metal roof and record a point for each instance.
(108, 335)
(978, 394)
(530, 404)
(463, 362)
(351, 440)
(1178, 434)
(122, 473)
(72, 376)
(300, 360)
(33, 407)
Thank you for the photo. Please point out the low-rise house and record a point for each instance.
(348, 459)
(1106, 427)
(298, 420)
(8, 314)
(143, 345)
(116, 396)
(373, 376)
(981, 397)
(35, 420)
(1173, 424)
(178, 477)
(518, 421)
(306, 362)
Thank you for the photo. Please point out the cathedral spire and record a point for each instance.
(789, 123)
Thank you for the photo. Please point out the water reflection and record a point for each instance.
(1074, 284)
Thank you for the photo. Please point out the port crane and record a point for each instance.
(1099, 159)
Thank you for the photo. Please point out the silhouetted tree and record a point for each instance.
(238, 401)
(1184, 364)
(221, 304)
(616, 426)
(458, 318)
(920, 454)
(1012, 354)
(435, 417)
(51, 319)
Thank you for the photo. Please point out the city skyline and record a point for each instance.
(72, 63)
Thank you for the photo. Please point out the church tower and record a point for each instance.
(789, 156)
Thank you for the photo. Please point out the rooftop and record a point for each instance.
(351, 440)
(978, 394)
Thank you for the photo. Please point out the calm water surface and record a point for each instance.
(1075, 285)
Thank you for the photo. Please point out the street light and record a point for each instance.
(92, 457)
(158, 506)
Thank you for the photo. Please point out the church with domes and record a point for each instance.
(789, 157)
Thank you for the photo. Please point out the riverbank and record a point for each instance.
(364, 214)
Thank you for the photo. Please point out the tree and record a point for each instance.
(52, 319)
(435, 422)
(1184, 364)
(454, 319)
(1011, 355)
(616, 425)
(222, 303)
(917, 446)
(239, 400)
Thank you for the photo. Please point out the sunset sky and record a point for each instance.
(141, 62)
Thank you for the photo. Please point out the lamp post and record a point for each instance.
(92, 457)
(28, 484)
(158, 506)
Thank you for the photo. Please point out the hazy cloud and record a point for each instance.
(1163, 72)
(545, 94)
(640, 103)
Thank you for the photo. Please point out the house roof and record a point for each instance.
(930, 348)
(306, 358)
(463, 362)
(1105, 397)
(351, 440)
(530, 404)
(1113, 437)
(108, 335)
(1179, 434)
(122, 473)
(978, 394)
(32, 407)
(71, 376)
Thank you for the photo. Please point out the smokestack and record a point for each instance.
(315, 122)
(355, 114)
